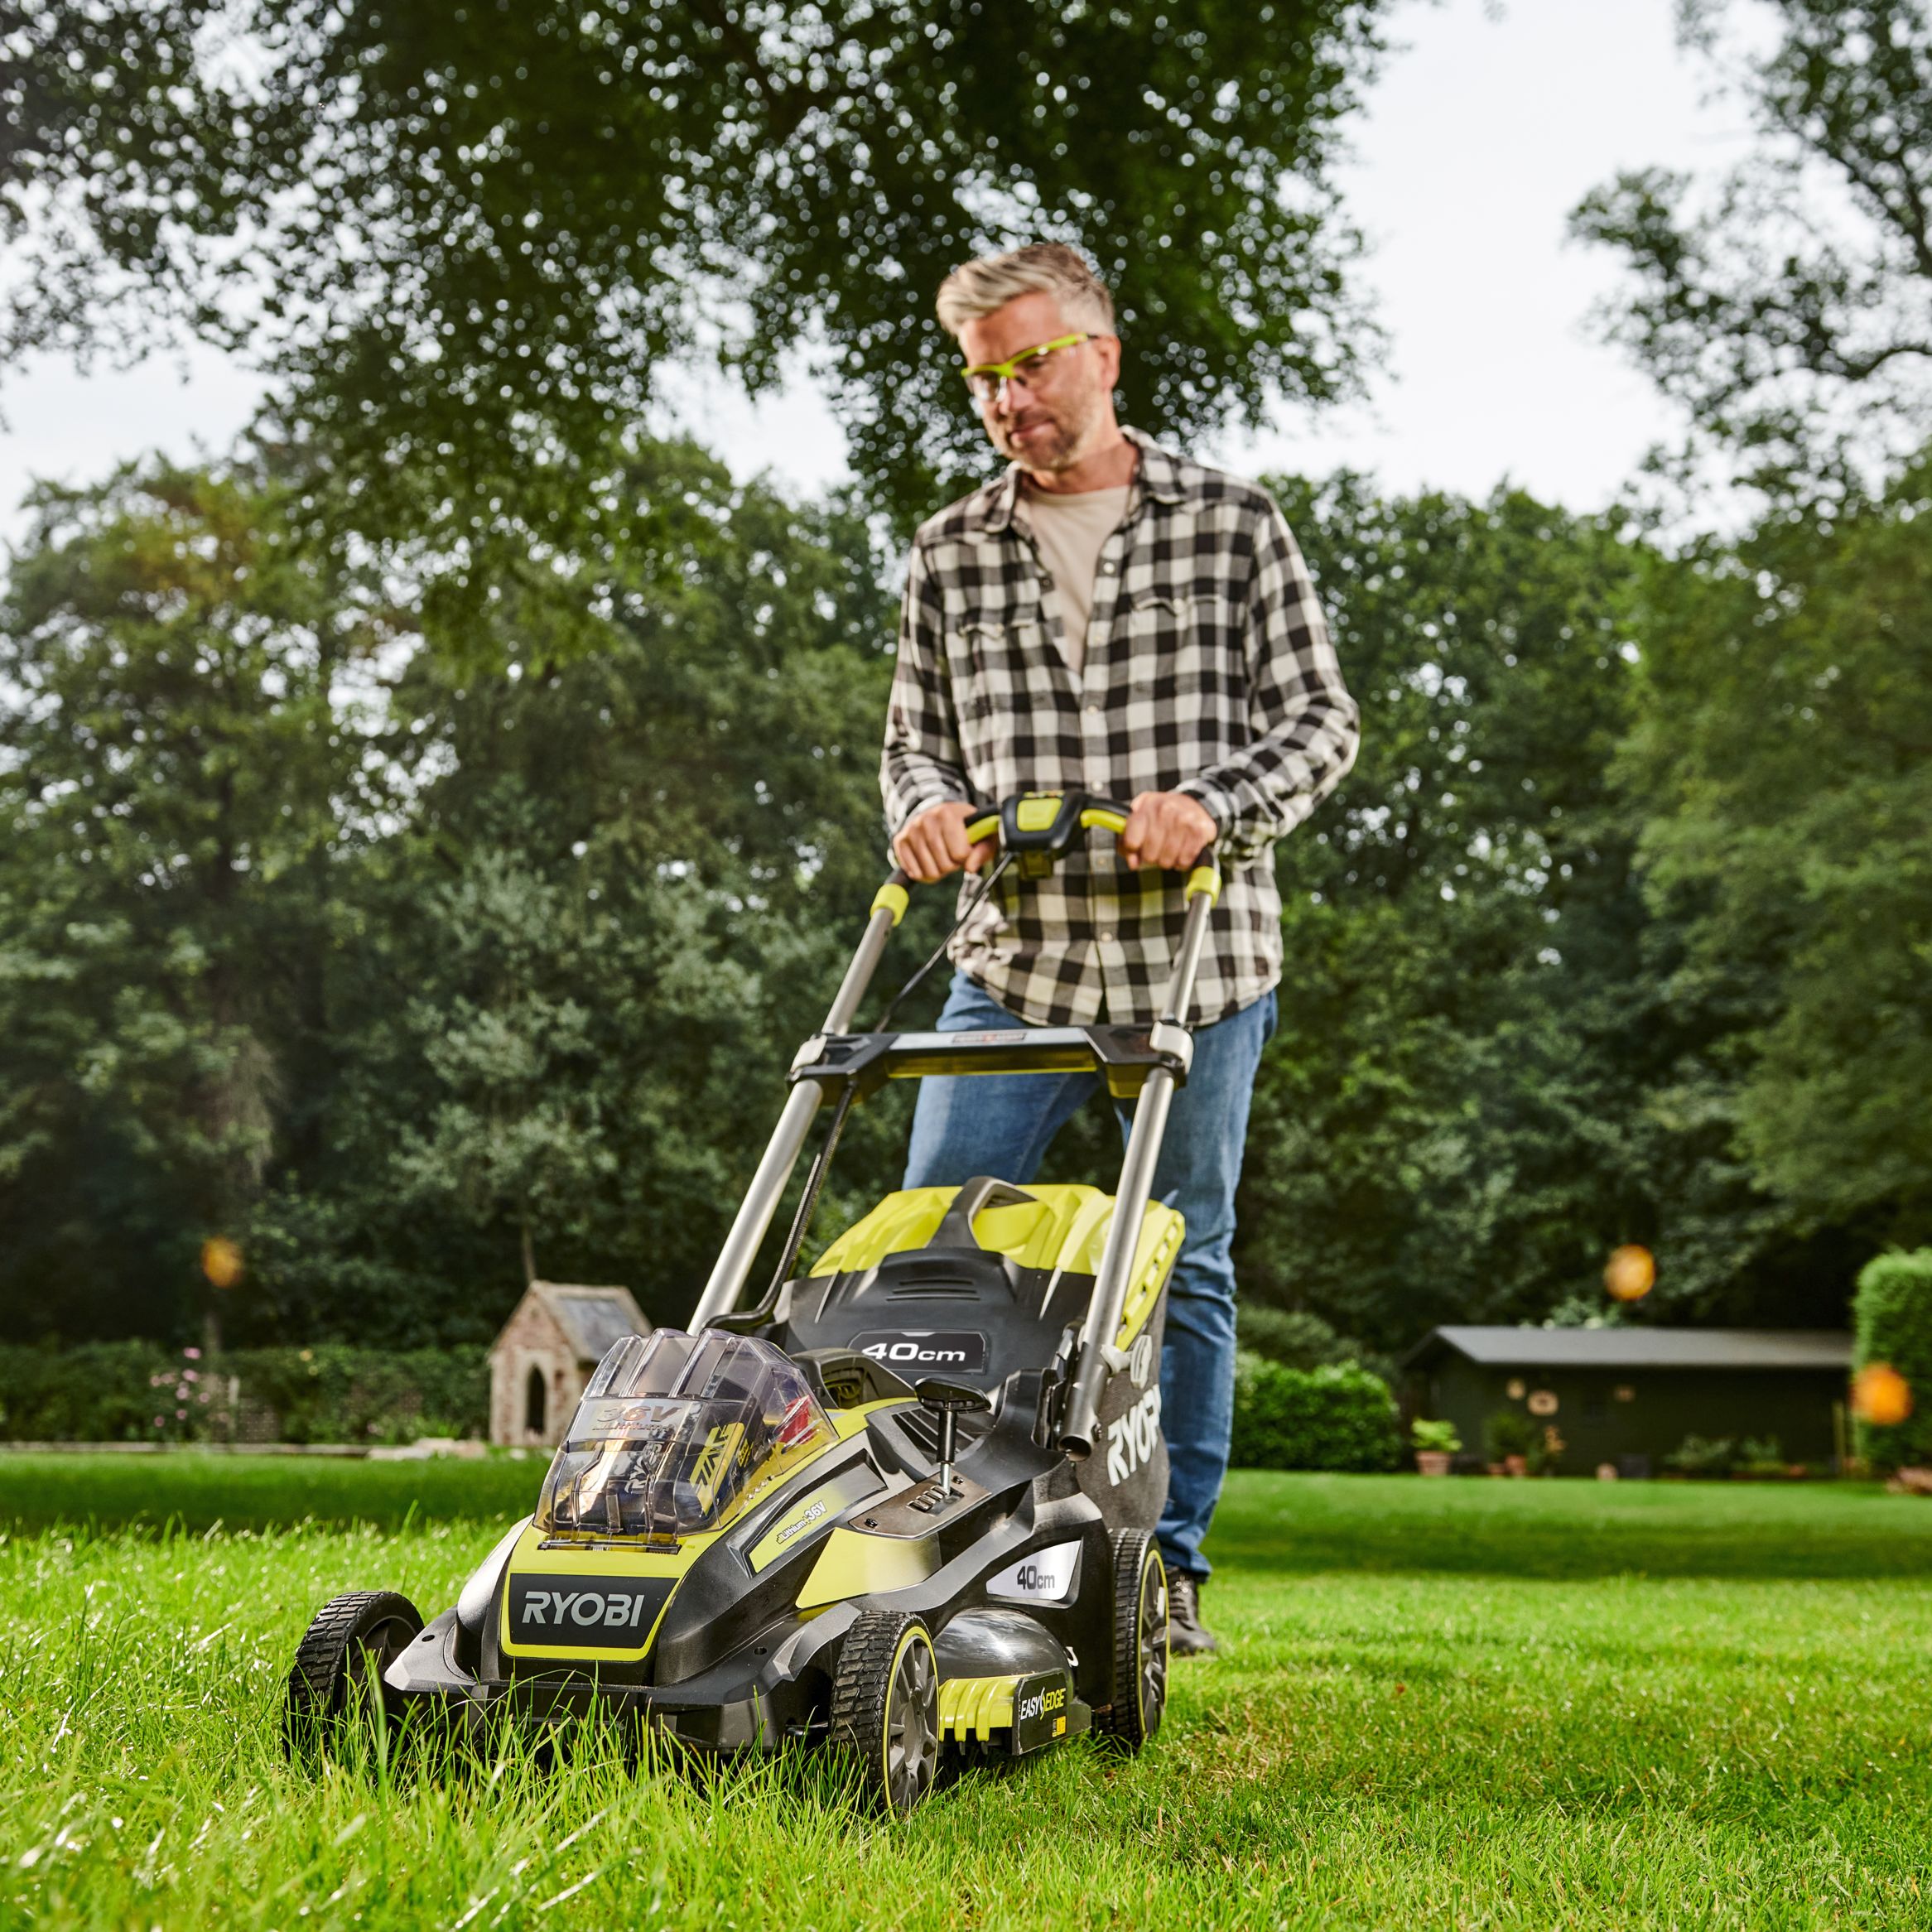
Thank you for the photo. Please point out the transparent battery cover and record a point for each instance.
(673, 1431)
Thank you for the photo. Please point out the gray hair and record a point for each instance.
(975, 289)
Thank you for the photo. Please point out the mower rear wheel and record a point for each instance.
(339, 1663)
(885, 1708)
(1140, 1641)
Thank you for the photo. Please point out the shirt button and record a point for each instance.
(1106, 938)
(1108, 568)
(1093, 704)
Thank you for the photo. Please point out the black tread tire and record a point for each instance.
(1140, 1662)
(881, 1681)
(331, 1673)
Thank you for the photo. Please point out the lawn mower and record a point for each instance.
(904, 1504)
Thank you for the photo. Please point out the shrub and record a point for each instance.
(104, 1391)
(1760, 1456)
(1292, 1336)
(1508, 1432)
(1299, 1340)
(136, 1391)
(1335, 1417)
(1696, 1456)
(1892, 1315)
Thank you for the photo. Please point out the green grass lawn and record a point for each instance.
(1455, 1704)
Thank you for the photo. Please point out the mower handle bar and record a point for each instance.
(1038, 828)
(1041, 825)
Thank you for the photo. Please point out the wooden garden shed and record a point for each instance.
(1630, 1396)
(538, 1366)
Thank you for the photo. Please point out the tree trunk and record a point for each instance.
(529, 1254)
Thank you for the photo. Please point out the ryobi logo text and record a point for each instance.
(924, 1348)
(582, 1608)
(560, 1612)
(1130, 1440)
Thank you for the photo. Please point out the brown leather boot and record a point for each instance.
(1186, 1635)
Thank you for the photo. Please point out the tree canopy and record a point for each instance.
(1790, 306)
(409, 967)
(466, 240)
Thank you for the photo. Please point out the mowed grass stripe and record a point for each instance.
(193, 1491)
(1301, 1523)
(1440, 1745)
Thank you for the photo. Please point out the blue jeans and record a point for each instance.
(1002, 1124)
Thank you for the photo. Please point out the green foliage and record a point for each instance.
(176, 787)
(1439, 1438)
(625, 887)
(1893, 1319)
(1335, 1417)
(1292, 1336)
(518, 969)
(1697, 1455)
(1760, 1456)
(1782, 756)
(131, 1391)
(414, 988)
(1787, 310)
(1508, 1432)
(470, 244)
(102, 1392)
(1725, 1456)
(1450, 1124)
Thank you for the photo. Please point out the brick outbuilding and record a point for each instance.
(538, 1366)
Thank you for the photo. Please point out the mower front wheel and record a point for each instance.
(339, 1667)
(1140, 1641)
(885, 1708)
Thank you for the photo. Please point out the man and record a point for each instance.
(1109, 618)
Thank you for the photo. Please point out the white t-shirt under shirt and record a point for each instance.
(1070, 532)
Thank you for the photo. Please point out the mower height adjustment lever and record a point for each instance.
(948, 1401)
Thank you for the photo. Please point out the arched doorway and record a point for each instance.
(536, 1405)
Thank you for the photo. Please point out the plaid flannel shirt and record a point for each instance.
(1208, 670)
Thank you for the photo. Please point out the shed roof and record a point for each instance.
(592, 1318)
(1642, 1348)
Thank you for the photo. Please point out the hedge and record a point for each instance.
(136, 1391)
(1891, 1314)
(1337, 1417)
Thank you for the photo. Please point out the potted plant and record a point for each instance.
(1697, 1457)
(1435, 1444)
(1508, 1436)
(1760, 1461)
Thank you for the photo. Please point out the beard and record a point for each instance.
(1072, 418)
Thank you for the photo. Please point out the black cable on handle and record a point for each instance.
(972, 906)
(808, 1201)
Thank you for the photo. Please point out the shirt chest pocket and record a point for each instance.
(1186, 649)
(1000, 666)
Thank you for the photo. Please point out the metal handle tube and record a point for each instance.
(1081, 1422)
(787, 1141)
(760, 1203)
(1081, 1419)
(1180, 989)
(859, 974)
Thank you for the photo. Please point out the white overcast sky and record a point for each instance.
(1488, 124)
